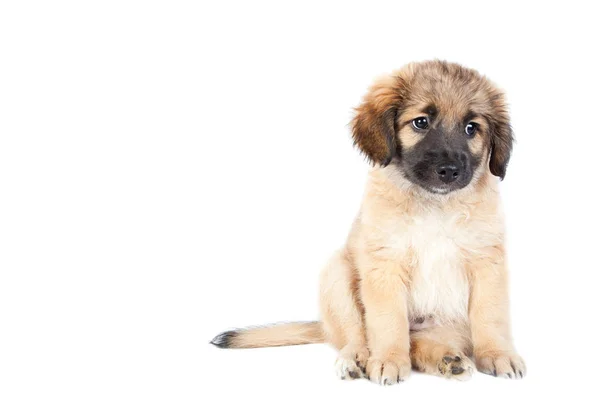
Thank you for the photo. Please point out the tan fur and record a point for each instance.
(287, 334)
(421, 282)
(441, 349)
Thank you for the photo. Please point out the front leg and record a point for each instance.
(489, 317)
(383, 293)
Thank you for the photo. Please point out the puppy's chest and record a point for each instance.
(438, 285)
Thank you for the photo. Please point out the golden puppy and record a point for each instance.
(421, 282)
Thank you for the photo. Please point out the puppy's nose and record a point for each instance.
(448, 172)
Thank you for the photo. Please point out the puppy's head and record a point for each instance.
(438, 122)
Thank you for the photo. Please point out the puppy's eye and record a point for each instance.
(420, 123)
(471, 128)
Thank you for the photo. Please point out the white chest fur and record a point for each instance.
(438, 286)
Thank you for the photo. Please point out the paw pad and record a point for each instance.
(454, 366)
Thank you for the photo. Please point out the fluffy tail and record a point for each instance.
(285, 334)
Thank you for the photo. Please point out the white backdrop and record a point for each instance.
(169, 170)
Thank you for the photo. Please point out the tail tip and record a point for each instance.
(224, 340)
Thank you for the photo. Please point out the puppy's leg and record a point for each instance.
(342, 317)
(488, 314)
(383, 293)
(443, 351)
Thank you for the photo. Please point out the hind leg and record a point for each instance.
(443, 351)
(341, 314)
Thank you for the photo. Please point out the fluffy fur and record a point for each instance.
(421, 282)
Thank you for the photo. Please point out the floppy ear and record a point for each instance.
(374, 125)
(501, 138)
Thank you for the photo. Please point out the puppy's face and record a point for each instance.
(442, 145)
(439, 123)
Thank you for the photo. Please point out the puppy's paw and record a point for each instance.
(351, 363)
(388, 372)
(347, 369)
(501, 363)
(456, 366)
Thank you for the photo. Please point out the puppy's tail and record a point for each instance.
(284, 334)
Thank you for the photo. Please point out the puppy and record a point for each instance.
(421, 282)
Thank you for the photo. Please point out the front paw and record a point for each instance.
(388, 371)
(505, 364)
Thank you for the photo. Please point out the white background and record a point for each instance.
(169, 170)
